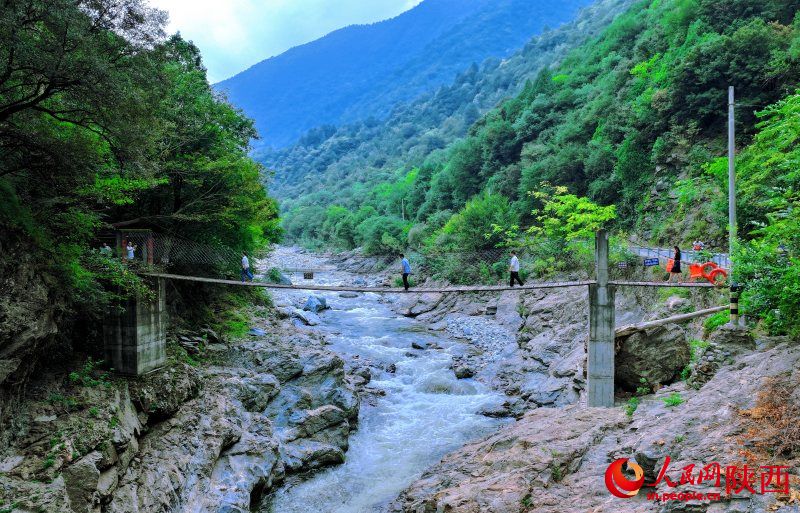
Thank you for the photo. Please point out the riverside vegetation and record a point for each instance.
(106, 121)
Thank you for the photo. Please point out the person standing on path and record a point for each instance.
(676, 266)
(406, 270)
(130, 250)
(246, 267)
(513, 268)
(105, 250)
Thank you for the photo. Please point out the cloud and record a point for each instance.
(235, 34)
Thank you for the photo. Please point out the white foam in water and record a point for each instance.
(426, 413)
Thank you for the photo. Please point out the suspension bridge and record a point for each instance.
(136, 338)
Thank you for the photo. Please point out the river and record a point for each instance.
(425, 412)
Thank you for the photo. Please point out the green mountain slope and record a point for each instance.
(629, 118)
(364, 70)
(635, 118)
(337, 165)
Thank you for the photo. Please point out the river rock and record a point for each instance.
(309, 454)
(310, 422)
(348, 295)
(657, 355)
(306, 317)
(315, 304)
(463, 370)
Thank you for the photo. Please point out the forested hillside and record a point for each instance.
(372, 150)
(634, 118)
(104, 121)
(363, 71)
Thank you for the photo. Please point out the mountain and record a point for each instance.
(365, 70)
(330, 165)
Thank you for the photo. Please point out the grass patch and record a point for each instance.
(68, 403)
(398, 282)
(672, 400)
(713, 322)
(665, 293)
(644, 387)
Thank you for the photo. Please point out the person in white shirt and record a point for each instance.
(130, 250)
(246, 267)
(513, 268)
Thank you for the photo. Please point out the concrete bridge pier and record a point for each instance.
(600, 360)
(135, 339)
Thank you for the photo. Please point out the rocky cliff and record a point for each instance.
(209, 437)
(29, 313)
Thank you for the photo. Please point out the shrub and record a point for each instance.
(715, 321)
(633, 404)
(84, 376)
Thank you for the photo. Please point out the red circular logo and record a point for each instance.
(619, 485)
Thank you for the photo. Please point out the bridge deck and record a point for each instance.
(397, 290)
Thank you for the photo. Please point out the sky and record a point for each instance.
(235, 34)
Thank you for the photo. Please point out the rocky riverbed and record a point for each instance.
(190, 437)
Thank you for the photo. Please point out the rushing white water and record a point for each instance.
(425, 413)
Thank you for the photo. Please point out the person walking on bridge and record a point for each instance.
(675, 271)
(246, 273)
(406, 270)
(513, 268)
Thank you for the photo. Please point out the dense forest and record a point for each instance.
(104, 121)
(634, 118)
(364, 70)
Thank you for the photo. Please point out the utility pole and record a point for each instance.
(735, 288)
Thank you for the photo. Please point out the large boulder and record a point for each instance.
(734, 339)
(315, 304)
(658, 355)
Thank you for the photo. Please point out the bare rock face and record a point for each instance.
(657, 355)
(553, 460)
(546, 367)
(507, 470)
(81, 479)
(28, 323)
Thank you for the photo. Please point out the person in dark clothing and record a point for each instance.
(406, 270)
(513, 269)
(676, 266)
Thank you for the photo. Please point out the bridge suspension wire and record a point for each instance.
(418, 290)
(380, 290)
(178, 256)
